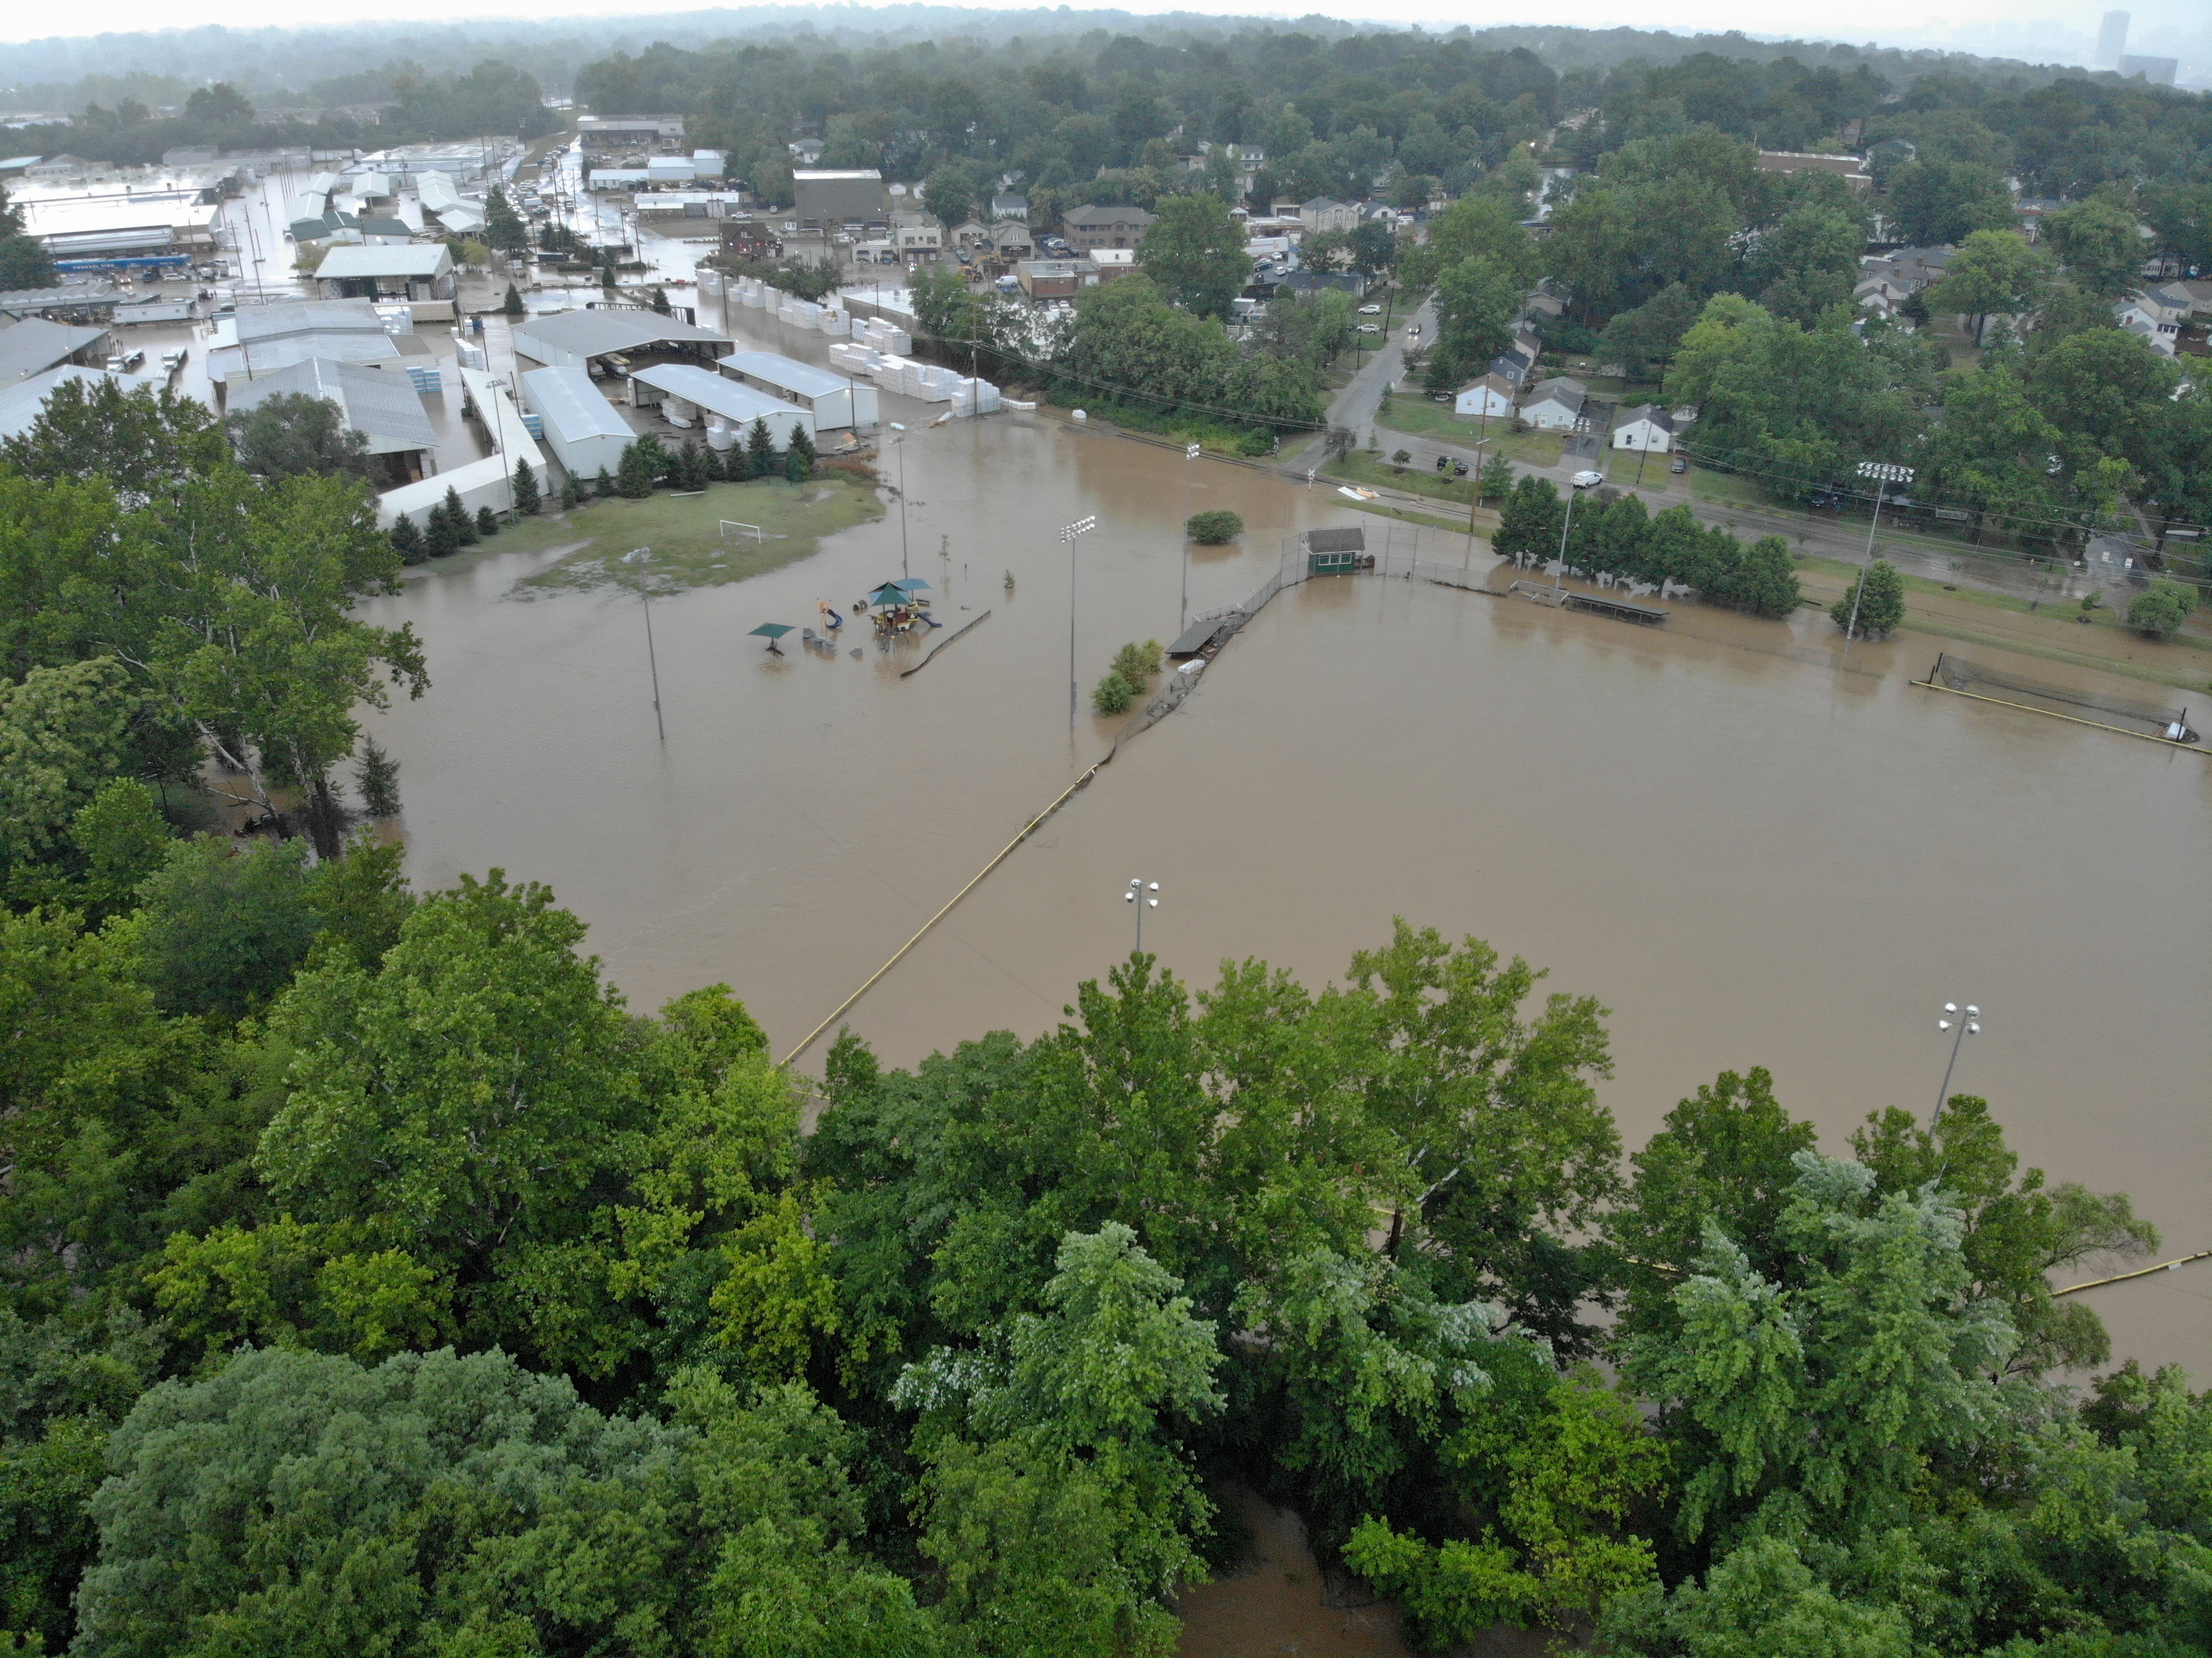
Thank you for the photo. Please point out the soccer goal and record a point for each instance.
(733, 531)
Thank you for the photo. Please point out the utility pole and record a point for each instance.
(1068, 533)
(638, 555)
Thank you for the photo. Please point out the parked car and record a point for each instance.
(1587, 480)
(1369, 328)
(1680, 464)
(1370, 310)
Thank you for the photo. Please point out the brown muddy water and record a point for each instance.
(1750, 858)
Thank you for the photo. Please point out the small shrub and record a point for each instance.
(1402, 456)
(1113, 695)
(487, 521)
(1214, 528)
(1136, 664)
(2160, 609)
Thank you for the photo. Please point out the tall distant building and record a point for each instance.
(2113, 39)
(2159, 71)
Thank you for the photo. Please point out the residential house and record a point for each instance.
(388, 233)
(1515, 365)
(970, 234)
(1490, 398)
(1911, 268)
(1555, 404)
(1322, 214)
(1885, 295)
(1088, 228)
(1319, 282)
(328, 226)
(1011, 239)
(749, 238)
(2185, 298)
(1541, 304)
(2159, 305)
(2148, 323)
(805, 151)
(1647, 428)
(1851, 169)
(1010, 207)
(916, 239)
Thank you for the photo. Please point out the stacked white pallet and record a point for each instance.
(858, 360)
(752, 291)
(800, 313)
(931, 383)
(977, 397)
(834, 322)
(884, 336)
(710, 280)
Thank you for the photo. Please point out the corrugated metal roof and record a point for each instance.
(716, 392)
(382, 405)
(593, 333)
(571, 405)
(231, 363)
(34, 345)
(784, 372)
(405, 260)
(19, 404)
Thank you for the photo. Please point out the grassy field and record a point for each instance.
(1415, 414)
(684, 531)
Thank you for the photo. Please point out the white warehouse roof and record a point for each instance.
(719, 395)
(402, 259)
(571, 406)
(787, 372)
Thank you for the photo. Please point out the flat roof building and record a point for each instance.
(833, 198)
(263, 338)
(832, 400)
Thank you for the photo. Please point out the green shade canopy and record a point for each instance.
(771, 631)
(890, 593)
(912, 585)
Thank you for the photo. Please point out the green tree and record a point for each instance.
(1476, 301)
(526, 498)
(456, 514)
(2158, 610)
(463, 1094)
(1214, 528)
(487, 522)
(377, 776)
(24, 261)
(2098, 243)
(634, 474)
(1875, 604)
(294, 434)
(1946, 201)
(1193, 251)
(512, 306)
(1529, 524)
(222, 933)
(407, 540)
(1993, 271)
(572, 495)
(759, 448)
(504, 230)
(1495, 480)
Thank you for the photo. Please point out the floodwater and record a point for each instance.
(1750, 858)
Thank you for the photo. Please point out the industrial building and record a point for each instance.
(831, 401)
(409, 271)
(828, 201)
(34, 345)
(147, 224)
(21, 403)
(585, 432)
(688, 395)
(261, 339)
(380, 404)
(599, 135)
(611, 342)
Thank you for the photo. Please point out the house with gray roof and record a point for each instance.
(1555, 404)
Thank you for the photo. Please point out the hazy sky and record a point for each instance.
(2036, 28)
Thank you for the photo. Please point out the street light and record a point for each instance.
(1965, 1025)
(1082, 526)
(1189, 454)
(1142, 895)
(899, 444)
(638, 555)
(1884, 474)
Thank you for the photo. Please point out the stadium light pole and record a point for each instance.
(1884, 474)
(1082, 526)
(638, 555)
(1144, 895)
(1190, 455)
(899, 444)
(1965, 1025)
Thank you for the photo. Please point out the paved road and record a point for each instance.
(1353, 405)
(1822, 534)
